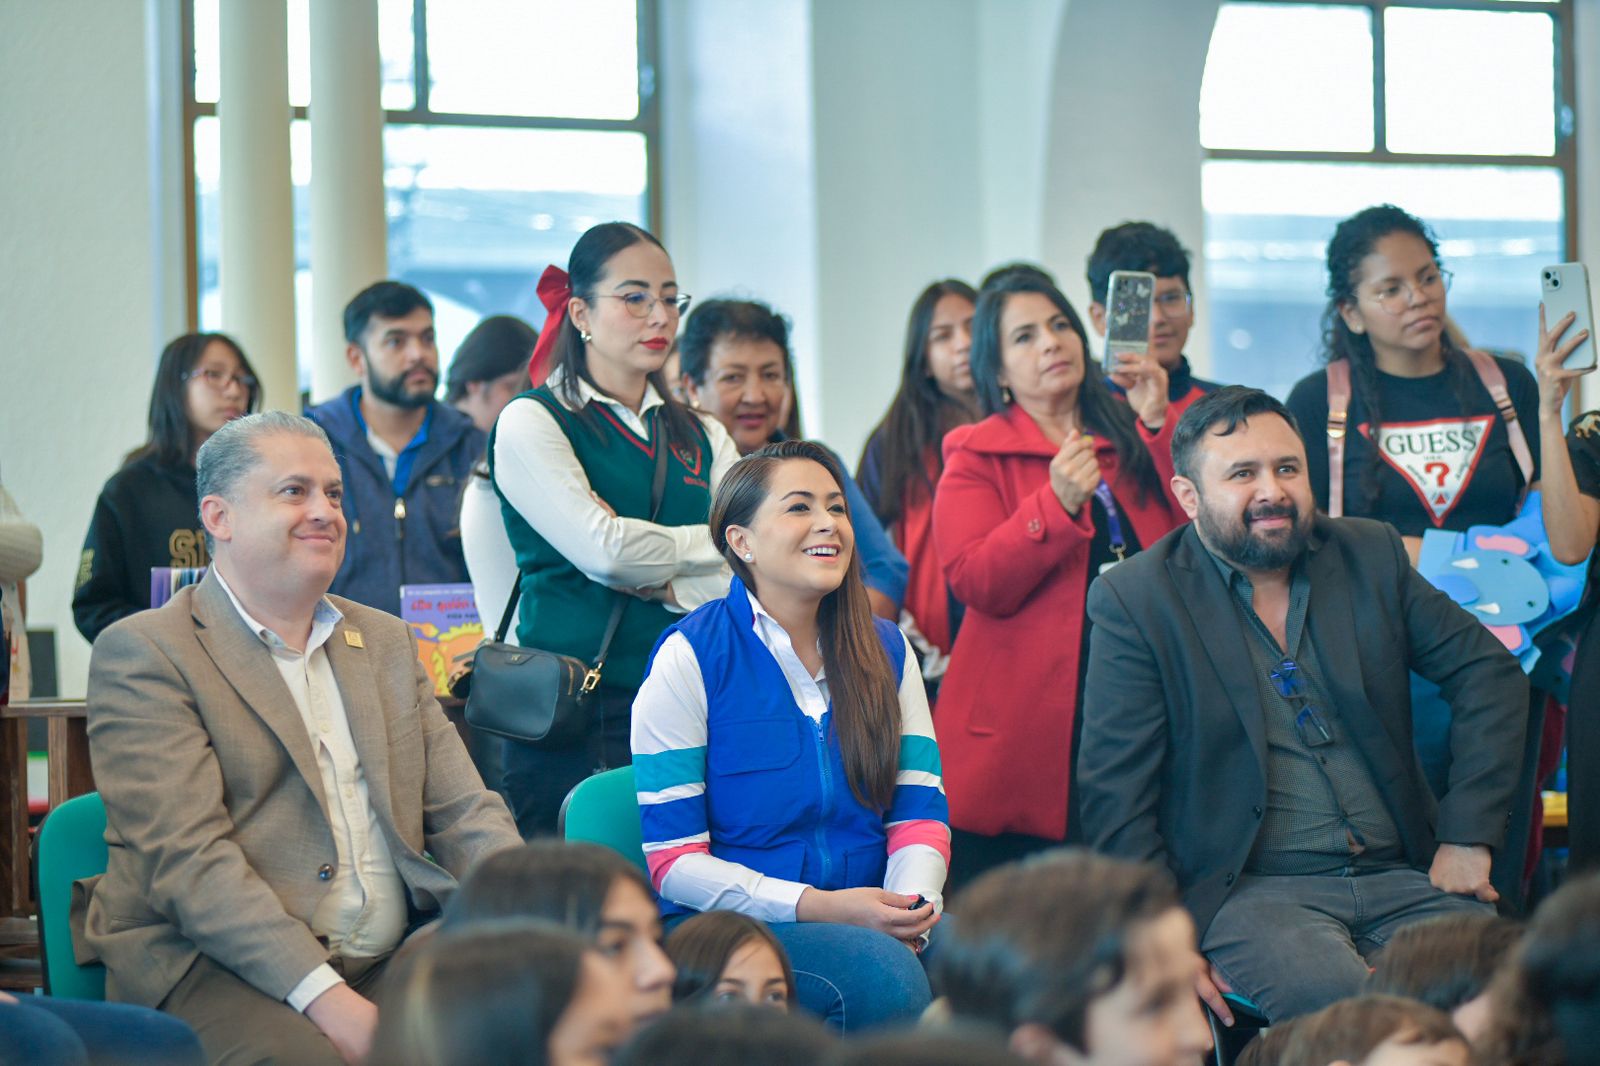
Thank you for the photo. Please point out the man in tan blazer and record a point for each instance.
(285, 800)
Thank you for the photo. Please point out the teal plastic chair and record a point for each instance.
(72, 845)
(604, 809)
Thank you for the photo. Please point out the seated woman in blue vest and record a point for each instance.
(784, 754)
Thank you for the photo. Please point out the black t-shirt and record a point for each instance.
(1443, 467)
(1583, 444)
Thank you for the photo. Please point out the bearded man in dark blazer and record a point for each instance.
(1247, 721)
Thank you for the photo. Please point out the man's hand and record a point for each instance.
(1211, 985)
(348, 1019)
(1463, 870)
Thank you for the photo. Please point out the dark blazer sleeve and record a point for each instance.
(1122, 751)
(1488, 697)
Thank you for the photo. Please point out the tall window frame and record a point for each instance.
(1502, 204)
(1564, 159)
(646, 123)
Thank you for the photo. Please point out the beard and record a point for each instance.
(394, 391)
(1238, 543)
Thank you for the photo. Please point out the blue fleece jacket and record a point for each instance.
(407, 537)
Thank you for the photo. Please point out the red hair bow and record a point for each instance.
(555, 289)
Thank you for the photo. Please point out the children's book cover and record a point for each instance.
(445, 620)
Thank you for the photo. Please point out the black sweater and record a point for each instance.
(147, 515)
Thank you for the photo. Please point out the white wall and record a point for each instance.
(1125, 134)
(86, 295)
(738, 158)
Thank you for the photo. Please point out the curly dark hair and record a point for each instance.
(1353, 240)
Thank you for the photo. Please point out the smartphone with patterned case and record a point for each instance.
(1566, 291)
(1129, 300)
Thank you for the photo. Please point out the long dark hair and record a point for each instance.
(920, 413)
(1101, 411)
(865, 693)
(585, 267)
(701, 947)
(171, 442)
(1353, 240)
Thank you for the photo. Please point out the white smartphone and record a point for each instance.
(1129, 300)
(1566, 292)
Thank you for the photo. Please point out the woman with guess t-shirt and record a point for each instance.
(1415, 420)
(1404, 424)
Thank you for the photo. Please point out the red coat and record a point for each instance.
(1020, 563)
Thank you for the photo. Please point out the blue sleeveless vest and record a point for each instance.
(777, 798)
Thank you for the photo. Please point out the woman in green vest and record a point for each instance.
(574, 461)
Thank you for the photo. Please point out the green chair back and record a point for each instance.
(72, 845)
(604, 809)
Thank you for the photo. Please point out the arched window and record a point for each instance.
(510, 129)
(1460, 112)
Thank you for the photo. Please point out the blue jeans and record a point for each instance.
(40, 1031)
(855, 978)
(1293, 945)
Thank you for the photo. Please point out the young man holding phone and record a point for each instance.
(1146, 246)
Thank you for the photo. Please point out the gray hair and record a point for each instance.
(229, 454)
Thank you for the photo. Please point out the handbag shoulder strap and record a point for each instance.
(1338, 420)
(1494, 380)
(658, 489)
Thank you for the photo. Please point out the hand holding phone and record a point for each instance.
(1566, 292)
(1130, 300)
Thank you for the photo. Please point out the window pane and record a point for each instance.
(1267, 229)
(475, 215)
(534, 57)
(397, 56)
(1443, 95)
(1289, 77)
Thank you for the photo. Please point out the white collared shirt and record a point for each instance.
(364, 912)
(538, 472)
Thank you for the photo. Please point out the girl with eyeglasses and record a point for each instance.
(147, 514)
(574, 463)
(1403, 424)
(1424, 444)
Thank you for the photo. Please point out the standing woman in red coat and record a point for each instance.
(1058, 483)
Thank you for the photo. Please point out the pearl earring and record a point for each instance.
(585, 336)
(748, 557)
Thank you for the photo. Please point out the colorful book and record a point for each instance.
(445, 620)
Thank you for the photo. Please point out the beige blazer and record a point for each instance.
(216, 820)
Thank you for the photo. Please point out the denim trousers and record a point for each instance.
(855, 978)
(1293, 945)
(40, 1031)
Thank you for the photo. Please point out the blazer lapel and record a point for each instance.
(1209, 603)
(246, 664)
(358, 688)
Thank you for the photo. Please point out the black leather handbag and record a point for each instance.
(541, 697)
